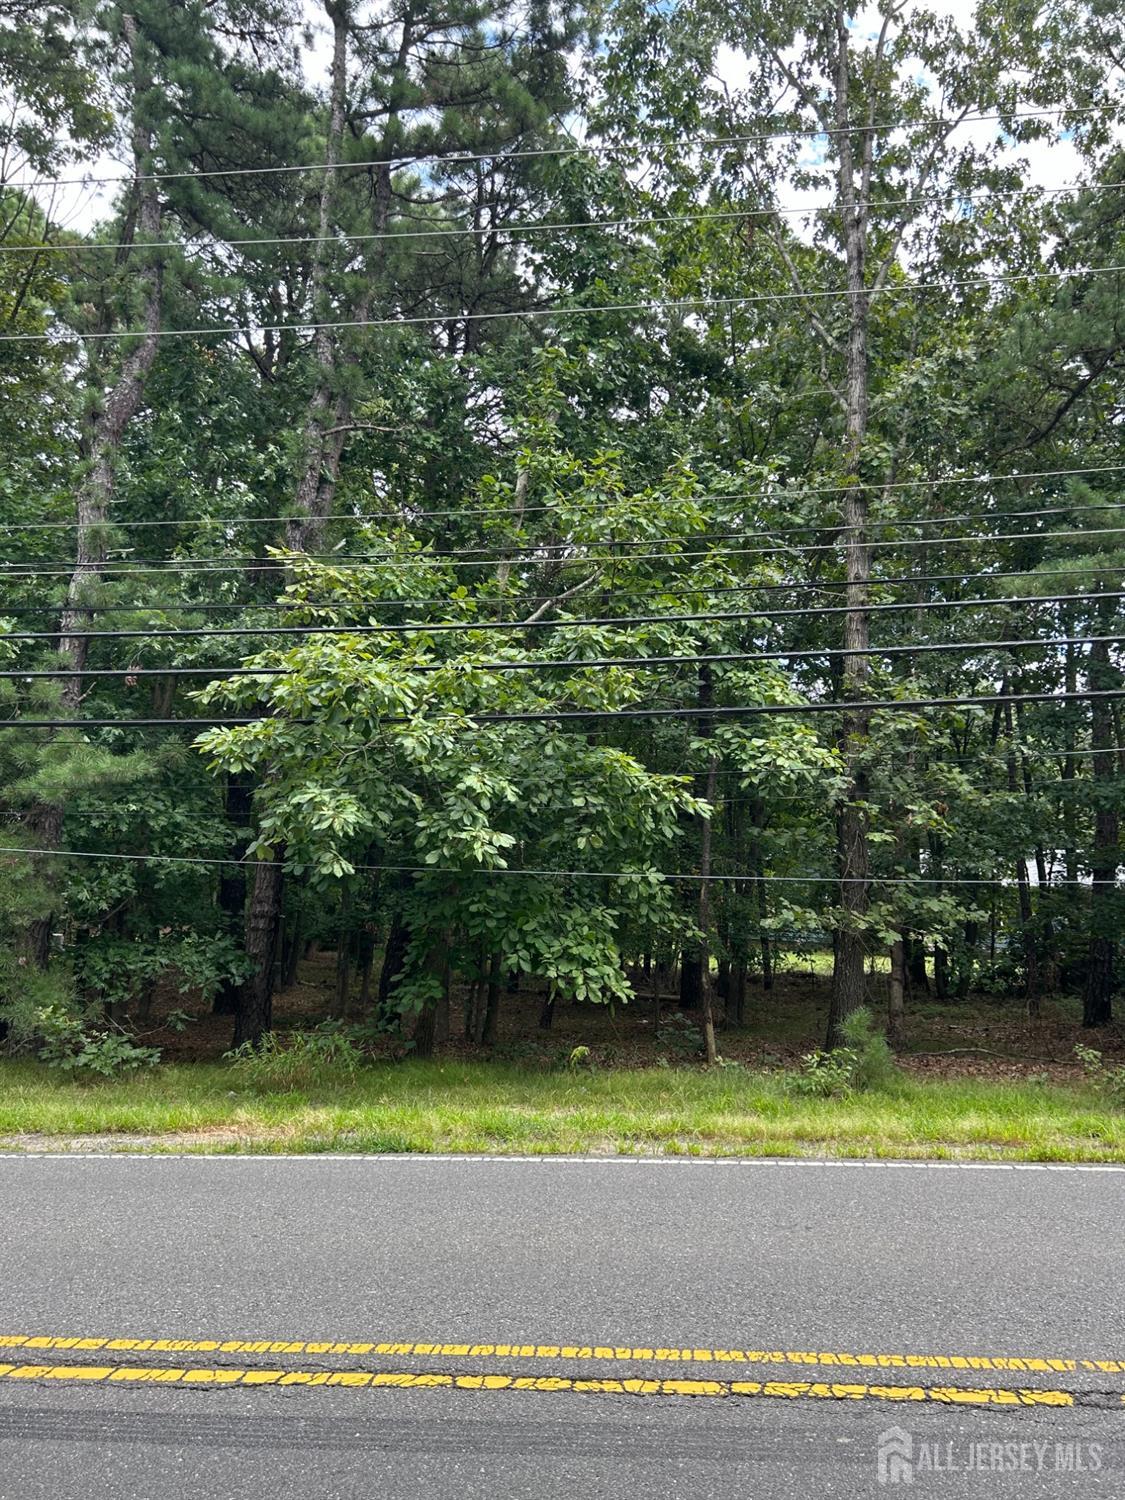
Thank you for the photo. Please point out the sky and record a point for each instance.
(1052, 165)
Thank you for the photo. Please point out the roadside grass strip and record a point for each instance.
(681, 1354)
(791, 1390)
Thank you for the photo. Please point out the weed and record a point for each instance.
(284, 1063)
(68, 1042)
(1109, 1081)
(864, 1062)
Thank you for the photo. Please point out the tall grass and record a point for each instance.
(478, 1106)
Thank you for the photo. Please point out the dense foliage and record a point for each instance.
(597, 399)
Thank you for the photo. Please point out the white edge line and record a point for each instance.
(434, 1158)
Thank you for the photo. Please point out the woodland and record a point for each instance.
(582, 505)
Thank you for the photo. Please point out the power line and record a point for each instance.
(574, 663)
(750, 586)
(776, 492)
(870, 705)
(501, 231)
(507, 155)
(682, 304)
(540, 557)
(537, 716)
(655, 877)
(432, 627)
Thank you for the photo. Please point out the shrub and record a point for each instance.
(864, 1062)
(1109, 1081)
(681, 1035)
(103, 1048)
(282, 1063)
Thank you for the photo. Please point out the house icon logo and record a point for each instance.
(895, 1457)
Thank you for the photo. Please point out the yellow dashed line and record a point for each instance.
(790, 1390)
(622, 1353)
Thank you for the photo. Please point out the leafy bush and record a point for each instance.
(863, 1063)
(1109, 1081)
(70, 1042)
(680, 1035)
(875, 1065)
(824, 1074)
(123, 970)
(280, 1064)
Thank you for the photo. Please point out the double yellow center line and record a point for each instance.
(674, 1354)
(380, 1379)
(952, 1395)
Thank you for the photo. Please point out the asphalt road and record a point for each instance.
(573, 1278)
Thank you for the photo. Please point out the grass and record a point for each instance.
(479, 1106)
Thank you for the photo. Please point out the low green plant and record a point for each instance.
(69, 1042)
(681, 1035)
(1109, 1081)
(283, 1063)
(863, 1063)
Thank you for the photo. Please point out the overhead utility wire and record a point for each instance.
(778, 491)
(750, 586)
(605, 622)
(682, 304)
(501, 231)
(579, 149)
(651, 876)
(456, 557)
(548, 716)
(573, 663)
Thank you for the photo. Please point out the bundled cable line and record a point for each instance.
(452, 718)
(567, 310)
(779, 491)
(577, 148)
(500, 232)
(424, 627)
(650, 876)
(543, 556)
(336, 607)
(577, 662)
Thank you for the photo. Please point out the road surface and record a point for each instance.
(373, 1328)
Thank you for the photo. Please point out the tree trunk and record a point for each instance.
(1023, 886)
(1101, 960)
(255, 1000)
(492, 1000)
(344, 953)
(547, 1011)
(232, 883)
(941, 972)
(394, 960)
(916, 964)
(895, 1007)
(107, 428)
(329, 413)
(848, 983)
(705, 987)
(758, 818)
(343, 975)
(292, 949)
(736, 1006)
(432, 1026)
(1070, 765)
(366, 963)
(691, 979)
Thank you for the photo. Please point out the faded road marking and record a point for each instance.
(674, 1354)
(792, 1390)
